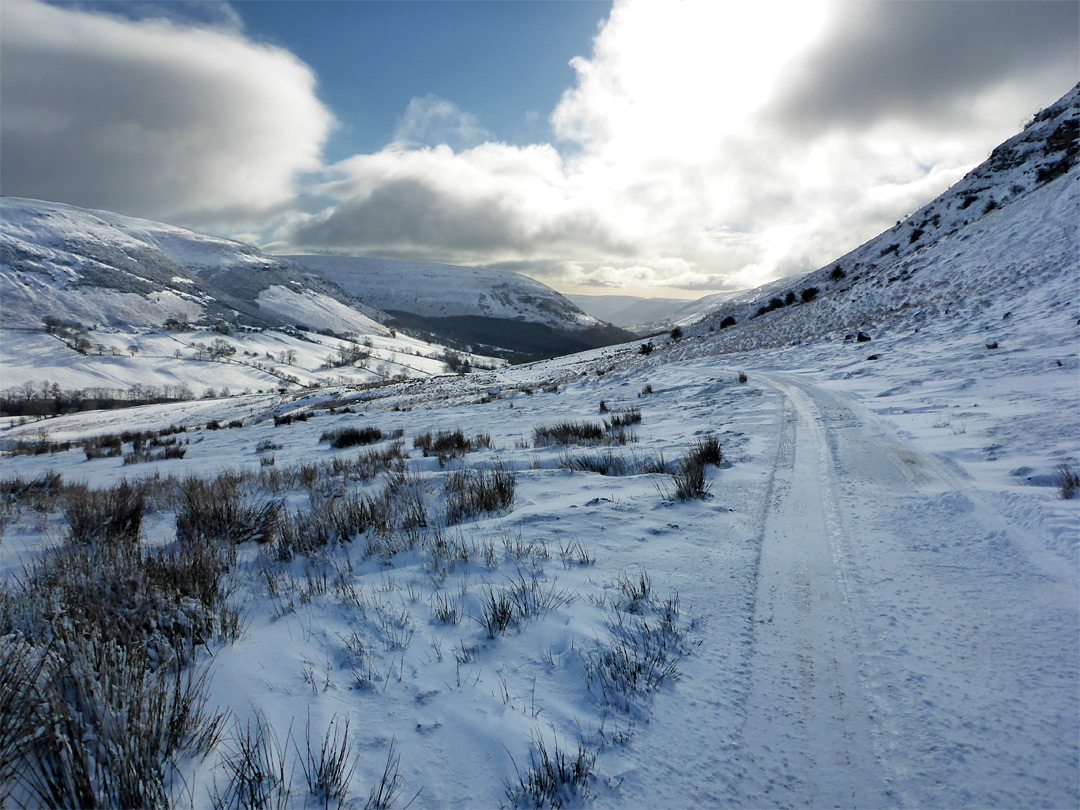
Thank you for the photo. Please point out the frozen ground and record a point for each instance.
(878, 602)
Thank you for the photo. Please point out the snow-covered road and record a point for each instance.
(903, 648)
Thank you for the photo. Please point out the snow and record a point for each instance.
(316, 309)
(889, 616)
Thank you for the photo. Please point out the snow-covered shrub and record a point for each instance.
(706, 451)
(568, 433)
(448, 444)
(608, 462)
(473, 492)
(255, 765)
(218, 510)
(328, 769)
(102, 637)
(553, 780)
(142, 720)
(351, 436)
(643, 652)
(1068, 482)
(496, 611)
(631, 416)
(530, 598)
(690, 482)
(39, 493)
(111, 515)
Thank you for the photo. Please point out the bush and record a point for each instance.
(809, 294)
(706, 451)
(645, 348)
(689, 478)
(217, 511)
(112, 515)
(837, 274)
(142, 722)
(472, 492)
(676, 333)
(568, 433)
(606, 462)
(351, 437)
(496, 611)
(626, 418)
(553, 779)
(446, 445)
(1068, 482)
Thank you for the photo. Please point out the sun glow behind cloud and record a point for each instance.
(705, 145)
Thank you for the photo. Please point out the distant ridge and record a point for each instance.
(1008, 225)
(498, 312)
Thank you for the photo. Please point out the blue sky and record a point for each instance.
(507, 63)
(650, 147)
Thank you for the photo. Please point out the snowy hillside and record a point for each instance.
(872, 603)
(1012, 219)
(100, 268)
(136, 303)
(472, 304)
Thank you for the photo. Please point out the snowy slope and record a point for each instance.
(96, 267)
(886, 575)
(443, 290)
(907, 271)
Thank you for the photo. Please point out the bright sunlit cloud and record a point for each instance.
(681, 166)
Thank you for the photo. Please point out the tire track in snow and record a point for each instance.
(969, 641)
(807, 734)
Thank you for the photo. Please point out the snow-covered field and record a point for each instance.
(262, 360)
(877, 603)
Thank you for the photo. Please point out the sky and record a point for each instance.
(647, 147)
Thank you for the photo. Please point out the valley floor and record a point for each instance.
(877, 604)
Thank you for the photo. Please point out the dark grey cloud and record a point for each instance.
(151, 117)
(927, 61)
(409, 216)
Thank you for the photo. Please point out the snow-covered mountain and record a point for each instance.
(96, 300)
(494, 308)
(1012, 219)
(96, 267)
